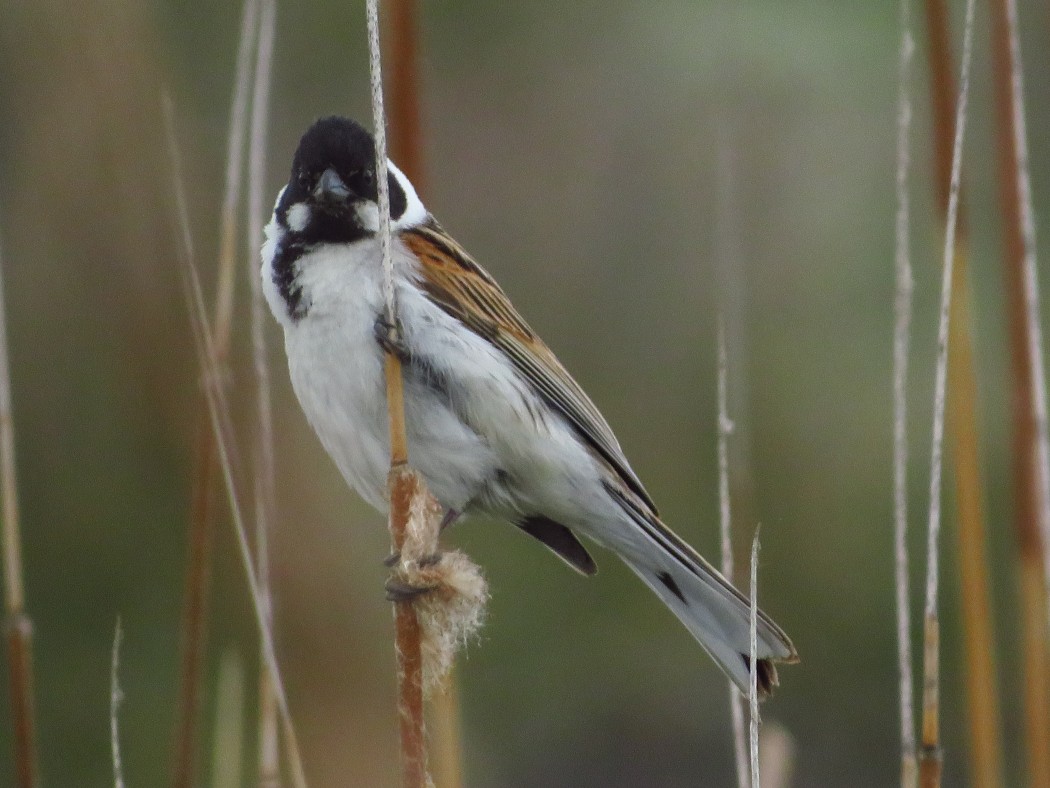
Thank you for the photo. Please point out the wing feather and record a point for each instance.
(455, 282)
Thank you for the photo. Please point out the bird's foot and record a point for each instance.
(400, 591)
(388, 336)
(412, 580)
(394, 559)
(451, 515)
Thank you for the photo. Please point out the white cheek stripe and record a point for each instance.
(298, 217)
(415, 212)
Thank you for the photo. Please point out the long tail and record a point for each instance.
(716, 614)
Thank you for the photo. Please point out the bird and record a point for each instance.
(496, 425)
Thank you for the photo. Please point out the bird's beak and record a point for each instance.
(331, 189)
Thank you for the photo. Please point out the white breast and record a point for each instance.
(336, 369)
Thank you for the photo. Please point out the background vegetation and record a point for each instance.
(575, 149)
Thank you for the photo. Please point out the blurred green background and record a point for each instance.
(583, 152)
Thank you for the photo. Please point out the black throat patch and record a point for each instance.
(285, 271)
(340, 150)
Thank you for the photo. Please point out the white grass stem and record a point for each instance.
(379, 122)
(752, 691)
(725, 428)
(218, 411)
(234, 159)
(930, 766)
(265, 464)
(1030, 283)
(901, 349)
(941, 375)
(116, 697)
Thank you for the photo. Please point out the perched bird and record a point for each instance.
(495, 424)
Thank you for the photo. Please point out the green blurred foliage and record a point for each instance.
(577, 149)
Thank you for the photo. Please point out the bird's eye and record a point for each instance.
(368, 177)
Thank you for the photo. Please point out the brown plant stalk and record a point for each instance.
(930, 762)
(985, 750)
(404, 486)
(1028, 485)
(201, 534)
(219, 413)
(406, 149)
(18, 627)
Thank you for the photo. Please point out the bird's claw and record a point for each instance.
(388, 337)
(394, 559)
(400, 591)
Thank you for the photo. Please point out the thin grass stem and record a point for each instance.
(725, 428)
(752, 691)
(18, 627)
(985, 750)
(219, 414)
(901, 347)
(930, 761)
(201, 533)
(116, 697)
(264, 464)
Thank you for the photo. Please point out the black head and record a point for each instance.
(333, 183)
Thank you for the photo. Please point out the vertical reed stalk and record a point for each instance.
(201, 533)
(901, 347)
(17, 625)
(1030, 488)
(116, 697)
(406, 149)
(218, 411)
(731, 298)
(404, 485)
(930, 761)
(725, 427)
(264, 461)
(752, 692)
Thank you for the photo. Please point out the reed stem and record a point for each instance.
(18, 627)
(1025, 348)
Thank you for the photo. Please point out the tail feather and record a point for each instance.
(713, 611)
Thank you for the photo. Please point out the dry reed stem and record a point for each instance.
(752, 690)
(725, 428)
(264, 460)
(202, 511)
(403, 88)
(446, 735)
(901, 348)
(930, 762)
(1030, 485)
(985, 751)
(219, 414)
(405, 138)
(17, 625)
(981, 686)
(116, 697)
(403, 485)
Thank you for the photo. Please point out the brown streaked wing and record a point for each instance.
(463, 289)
